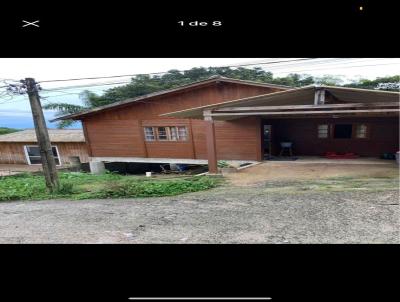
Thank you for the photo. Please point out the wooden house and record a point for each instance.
(21, 147)
(229, 119)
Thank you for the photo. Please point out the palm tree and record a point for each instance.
(89, 101)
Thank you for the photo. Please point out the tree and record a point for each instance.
(6, 130)
(294, 80)
(377, 83)
(90, 100)
(328, 80)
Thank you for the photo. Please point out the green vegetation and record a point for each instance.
(144, 84)
(223, 164)
(372, 84)
(5, 130)
(78, 185)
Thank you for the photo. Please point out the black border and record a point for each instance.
(250, 29)
(116, 272)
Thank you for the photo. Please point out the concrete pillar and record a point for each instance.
(97, 167)
(211, 144)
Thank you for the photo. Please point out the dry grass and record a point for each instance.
(283, 171)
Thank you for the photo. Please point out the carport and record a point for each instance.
(310, 115)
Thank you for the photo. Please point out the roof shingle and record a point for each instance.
(56, 136)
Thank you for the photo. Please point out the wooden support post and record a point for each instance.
(319, 97)
(211, 144)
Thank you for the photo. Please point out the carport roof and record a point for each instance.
(303, 95)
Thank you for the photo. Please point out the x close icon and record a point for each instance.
(28, 23)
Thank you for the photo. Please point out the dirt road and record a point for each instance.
(268, 213)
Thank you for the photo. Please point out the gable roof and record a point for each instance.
(56, 136)
(294, 96)
(214, 79)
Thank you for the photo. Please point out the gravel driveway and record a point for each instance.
(222, 215)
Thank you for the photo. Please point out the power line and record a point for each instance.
(255, 63)
(327, 61)
(156, 73)
(323, 63)
(83, 86)
(86, 85)
(126, 82)
(110, 83)
(11, 100)
(330, 61)
(343, 67)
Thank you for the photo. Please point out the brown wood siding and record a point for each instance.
(13, 153)
(200, 96)
(383, 136)
(199, 139)
(238, 139)
(116, 132)
(228, 134)
(115, 138)
(67, 150)
(170, 149)
(87, 142)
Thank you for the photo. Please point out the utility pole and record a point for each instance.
(46, 152)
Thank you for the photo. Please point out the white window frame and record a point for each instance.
(168, 134)
(154, 134)
(29, 161)
(176, 133)
(356, 130)
(327, 131)
(186, 134)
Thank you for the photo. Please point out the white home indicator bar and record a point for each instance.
(202, 298)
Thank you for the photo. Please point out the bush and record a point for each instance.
(79, 185)
(145, 188)
(65, 188)
(22, 186)
(223, 164)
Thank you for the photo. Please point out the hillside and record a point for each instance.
(5, 130)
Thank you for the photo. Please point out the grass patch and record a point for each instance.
(77, 185)
(336, 184)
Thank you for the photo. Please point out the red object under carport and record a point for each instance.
(334, 155)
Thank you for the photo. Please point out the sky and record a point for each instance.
(15, 110)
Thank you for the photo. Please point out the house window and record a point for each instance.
(162, 133)
(361, 131)
(343, 131)
(182, 133)
(173, 133)
(32, 154)
(170, 133)
(323, 131)
(149, 134)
